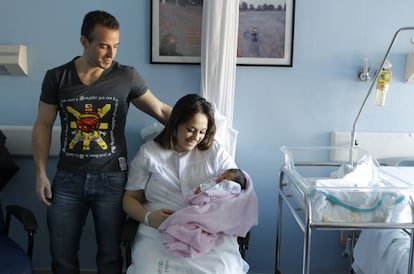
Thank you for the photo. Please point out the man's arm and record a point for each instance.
(41, 140)
(151, 105)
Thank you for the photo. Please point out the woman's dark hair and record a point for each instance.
(184, 110)
(97, 17)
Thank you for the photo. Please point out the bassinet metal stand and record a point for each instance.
(299, 205)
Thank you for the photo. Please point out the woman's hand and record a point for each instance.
(158, 216)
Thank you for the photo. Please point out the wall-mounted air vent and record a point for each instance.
(13, 60)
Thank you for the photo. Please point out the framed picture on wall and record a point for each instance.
(265, 33)
(176, 31)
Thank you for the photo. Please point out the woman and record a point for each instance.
(162, 174)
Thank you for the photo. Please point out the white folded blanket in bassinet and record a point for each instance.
(357, 197)
(356, 206)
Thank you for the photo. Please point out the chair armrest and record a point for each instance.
(129, 230)
(24, 215)
(243, 244)
(127, 237)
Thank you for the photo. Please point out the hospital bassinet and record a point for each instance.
(343, 189)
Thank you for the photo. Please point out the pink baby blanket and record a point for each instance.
(193, 230)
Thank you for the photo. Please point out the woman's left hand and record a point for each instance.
(158, 216)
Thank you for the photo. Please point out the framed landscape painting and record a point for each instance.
(176, 31)
(265, 33)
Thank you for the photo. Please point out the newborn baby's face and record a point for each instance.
(226, 175)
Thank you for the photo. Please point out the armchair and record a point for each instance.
(13, 258)
(127, 238)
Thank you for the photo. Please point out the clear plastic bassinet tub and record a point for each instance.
(340, 185)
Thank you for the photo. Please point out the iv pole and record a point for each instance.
(353, 134)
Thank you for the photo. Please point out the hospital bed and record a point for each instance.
(342, 188)
(387, 251)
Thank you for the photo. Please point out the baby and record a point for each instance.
(215, 208)
(233, 180)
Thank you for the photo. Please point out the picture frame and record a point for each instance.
(265, 35)
(176, 31)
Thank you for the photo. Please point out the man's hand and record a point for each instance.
(43, 190)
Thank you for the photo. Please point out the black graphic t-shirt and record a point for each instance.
(92, 116)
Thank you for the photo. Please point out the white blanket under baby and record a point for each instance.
(151, 257)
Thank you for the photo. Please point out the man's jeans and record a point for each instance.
(73, 196)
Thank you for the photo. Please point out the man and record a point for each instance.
(92, 95)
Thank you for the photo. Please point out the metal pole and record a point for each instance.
(279, 223)
(353, 134)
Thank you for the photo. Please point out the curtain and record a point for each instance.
(218, 64)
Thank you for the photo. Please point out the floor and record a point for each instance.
(45, 271)
(93, 272)
(318, 272)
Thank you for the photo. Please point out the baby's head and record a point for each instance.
(235, 175)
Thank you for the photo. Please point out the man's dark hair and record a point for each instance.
(97, 17)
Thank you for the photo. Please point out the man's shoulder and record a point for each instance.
(126, 72)
(118, 66)
(63, 67)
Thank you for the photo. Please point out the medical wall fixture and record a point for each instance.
(409, 68)
(13, 60)
(383, 80)
(363, 72)
(383, 83)
(374, 83)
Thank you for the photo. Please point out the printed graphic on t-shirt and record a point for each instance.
(91, 121)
